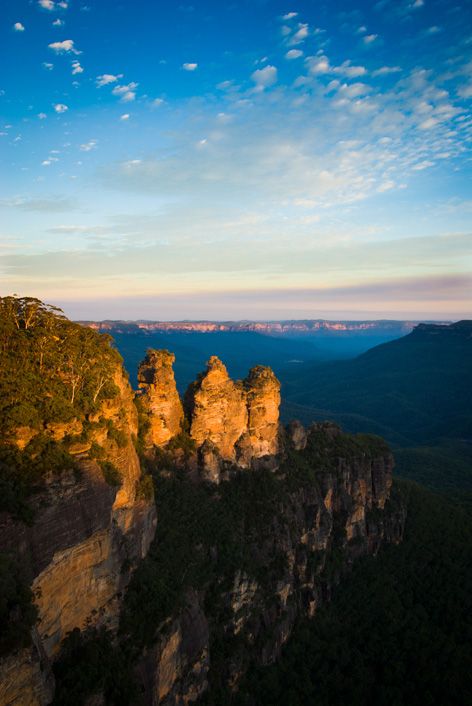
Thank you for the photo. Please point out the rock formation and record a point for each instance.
(159, 397)
(264, 560)
(235, 421)
(218, 410)
(86, 540)
(322, 523)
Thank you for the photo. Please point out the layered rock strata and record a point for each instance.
(86, 539)
(323, 521)
(159, 398)
(234, 422)
(231, 422)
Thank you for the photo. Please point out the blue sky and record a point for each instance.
(256, 159)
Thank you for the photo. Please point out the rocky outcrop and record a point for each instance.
(233, 422)
(175, 670)
(330, 505)
(218, 410)
(86, 539)
(159, 398)
(263, 402)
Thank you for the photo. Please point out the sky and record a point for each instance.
(254, 159)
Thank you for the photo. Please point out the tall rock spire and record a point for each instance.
(159, 397)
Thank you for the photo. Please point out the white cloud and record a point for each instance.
(368, 39)
(157, 102)
(293, 54)
(386, 70)
(48, 65)
(77, 68)
(63, 4)
(88, 146)
(189, 67)
(126, 92)
(46, 4)
(318, 64)
(346, 69)
(42, 116)
(64, 47)
(263, 78)
(125, 116)
(422, 165)
(61, 107)
(18, 27)
(300, 35)
(417, 4)
(465, 91)
(290, 15)
(58, 23)
(386, 186)
(106, 79)
(428, 124)
(354, 90)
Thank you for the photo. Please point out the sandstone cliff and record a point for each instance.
(159, 398)
(254, 555)
(233, 565)
(92, 519)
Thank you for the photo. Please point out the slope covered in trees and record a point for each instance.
(411, 390)
(398, 632)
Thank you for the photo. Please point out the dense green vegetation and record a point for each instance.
(17, 612)
(445, 467)
(206, 534)
(412, 390)
(398, 632)
(91, 663)
(52, 370)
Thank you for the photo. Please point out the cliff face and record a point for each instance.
(323, 508)
(159, 399)
(233, 422)
(234, 564)
(218, 410)
(86, 539)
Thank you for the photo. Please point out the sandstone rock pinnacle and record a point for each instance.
(159, 397)
(218, 409)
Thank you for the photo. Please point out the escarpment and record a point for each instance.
(252, 556)
(233, 565)
(77, 514)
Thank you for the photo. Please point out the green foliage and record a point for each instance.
(17, 612)
(111, 473)
(51, 369)
(22, 472)
(411, 390)
(145, 488)
(398, 630)
(445, 466)
(90, 664)
(117, 435)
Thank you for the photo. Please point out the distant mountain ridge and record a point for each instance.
(282, 327)
(413, 389)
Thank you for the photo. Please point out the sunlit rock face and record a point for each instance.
(159, 397)
(218, 410)
(80, 552)
(263, 402)
(235, 421)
